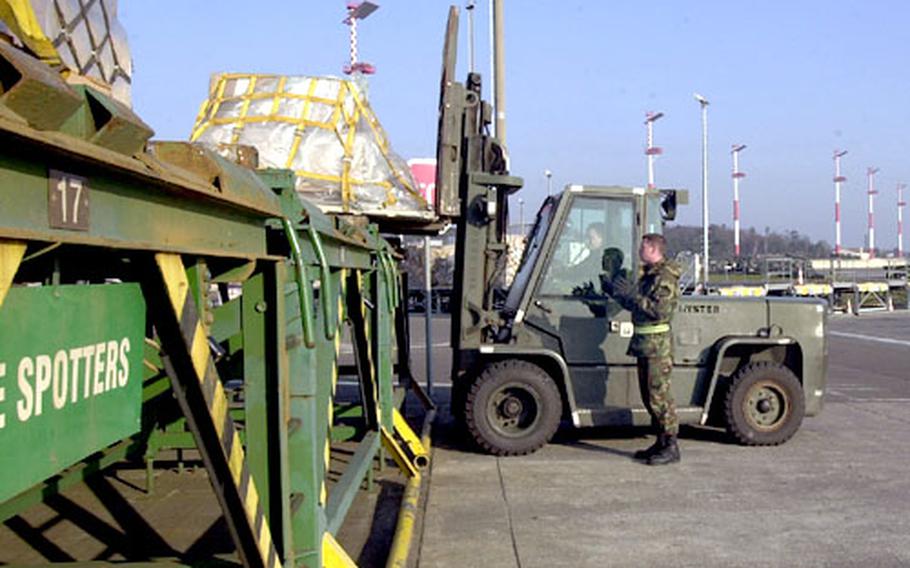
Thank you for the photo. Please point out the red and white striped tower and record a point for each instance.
(900, 218)
(651, 151)
(358, 11)
(870, 174)
(737, 175)
(838, 179)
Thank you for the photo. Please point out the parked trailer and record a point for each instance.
(110, 248)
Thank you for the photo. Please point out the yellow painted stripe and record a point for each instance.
(333, 555)
(265, 540)
(408, 435)
(219, 410)
(391, 444)
(251, 505)
(11, 253)
(329, 422)
(872, 287)
(171, 266)
(342, 289)
(235, 460)
(199, 350)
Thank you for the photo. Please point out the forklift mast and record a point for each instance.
(473, 187)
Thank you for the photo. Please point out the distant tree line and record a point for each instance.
(679, 238)
(752, 243)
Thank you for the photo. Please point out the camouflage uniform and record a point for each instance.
(652, 301)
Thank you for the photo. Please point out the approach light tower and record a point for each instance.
(838, 179)
(358, 11)
(900, 218)
(870, 175)
(703, 102)
(737, 175)
(651, 151)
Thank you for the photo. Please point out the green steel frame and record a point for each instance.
(301, 276)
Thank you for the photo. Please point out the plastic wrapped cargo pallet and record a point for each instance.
(324, 130)
(84, 38)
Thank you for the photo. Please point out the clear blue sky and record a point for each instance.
(792, 80)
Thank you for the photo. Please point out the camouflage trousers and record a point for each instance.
(654, 384)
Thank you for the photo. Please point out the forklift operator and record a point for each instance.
(652, 301)
(586, 266)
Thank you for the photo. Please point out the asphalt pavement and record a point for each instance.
(837, 494)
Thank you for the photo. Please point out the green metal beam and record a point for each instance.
(120, 210)
(304, 445)
(344, 492)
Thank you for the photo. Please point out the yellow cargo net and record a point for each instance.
(321, 128)
(19, 16)
(83, 39)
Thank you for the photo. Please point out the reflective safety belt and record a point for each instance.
(652, 329)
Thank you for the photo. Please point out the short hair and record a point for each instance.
(656, 240)
(598, 227)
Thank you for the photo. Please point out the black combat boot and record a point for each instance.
(668, 454)
(650, 451)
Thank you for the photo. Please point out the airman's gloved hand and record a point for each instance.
(585, 290)
(623, 287)
(606, 284)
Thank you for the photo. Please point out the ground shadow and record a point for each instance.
(376, 549)
(123, 531)
(34, 537)
(215, 540)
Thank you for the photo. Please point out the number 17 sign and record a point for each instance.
(67, 201)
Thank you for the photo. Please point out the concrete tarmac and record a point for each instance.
(837, 494)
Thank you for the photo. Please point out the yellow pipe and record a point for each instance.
(404, 529)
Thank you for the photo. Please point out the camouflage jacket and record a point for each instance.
(652, 301)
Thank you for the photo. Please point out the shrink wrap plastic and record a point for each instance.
(323, 129)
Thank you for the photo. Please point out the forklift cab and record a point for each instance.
(581, 238)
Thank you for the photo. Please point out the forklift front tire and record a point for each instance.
(512, 408)
(764, 405)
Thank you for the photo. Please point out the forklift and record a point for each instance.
(552, 348)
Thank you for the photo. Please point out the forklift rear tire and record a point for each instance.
(512, 408)
(764, 405)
